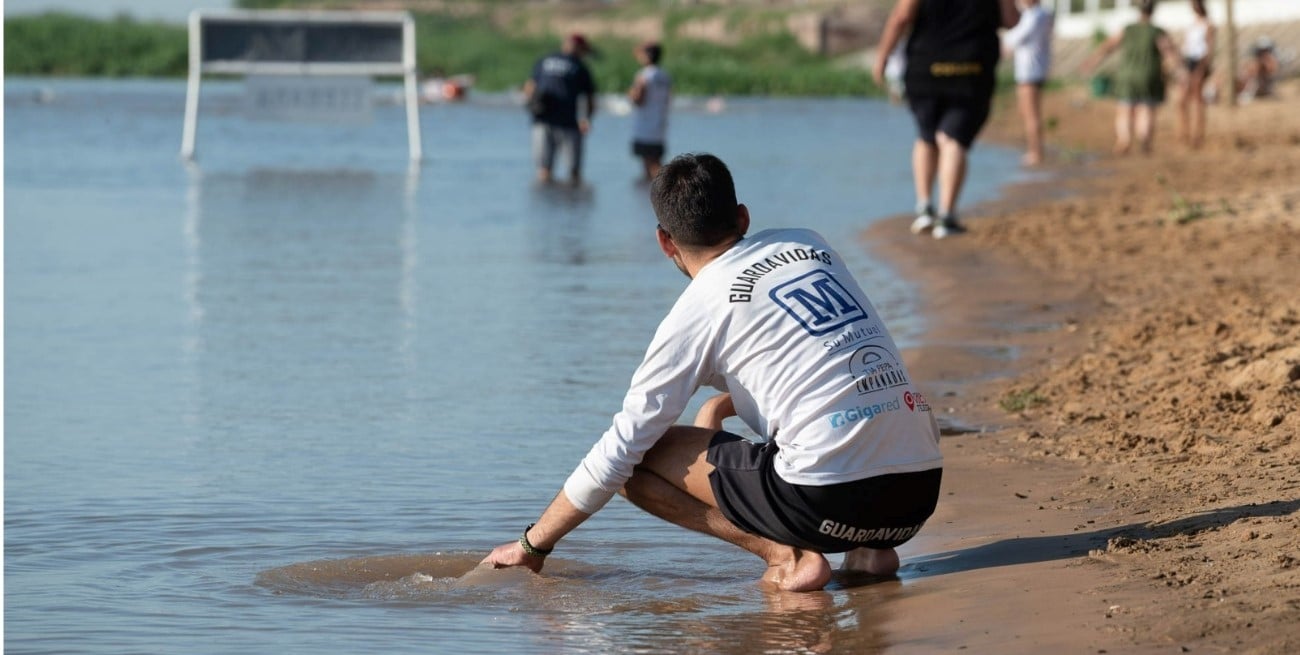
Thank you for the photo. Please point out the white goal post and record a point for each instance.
(302, 43)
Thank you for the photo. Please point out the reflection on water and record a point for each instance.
(559, 219)
(580, 605)
(298, 278)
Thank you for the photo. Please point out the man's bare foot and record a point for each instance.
(1031, 159)
(871, 560)
(806, 571)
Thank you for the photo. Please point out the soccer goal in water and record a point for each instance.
(304, 46)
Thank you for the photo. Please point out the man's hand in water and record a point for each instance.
(537, 541)
(512, 554)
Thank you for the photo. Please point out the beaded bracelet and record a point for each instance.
(531, 549)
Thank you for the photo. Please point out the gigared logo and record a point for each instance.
(819, 302)
(863, 413)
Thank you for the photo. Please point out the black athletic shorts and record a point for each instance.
(1192, 63)
(959, 116)
(644, 149)
(877, 512)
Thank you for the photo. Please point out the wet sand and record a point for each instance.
(1124, 337)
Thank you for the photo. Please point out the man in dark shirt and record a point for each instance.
(952, 52)
(552, 94)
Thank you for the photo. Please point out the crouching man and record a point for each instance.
(849, 461)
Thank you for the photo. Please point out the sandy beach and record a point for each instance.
(1116, 354)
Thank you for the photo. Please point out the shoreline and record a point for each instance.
(1140, 312)
(980, 325)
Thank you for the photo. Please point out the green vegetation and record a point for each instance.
(1019, 400)
(767, 61)
(771, 64)
(64, 44)
(447, 45)
(1185, 211)
(764, 64)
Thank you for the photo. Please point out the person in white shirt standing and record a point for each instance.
(1030, 44)
(651, 94)
(1198, 62)
(849, 458)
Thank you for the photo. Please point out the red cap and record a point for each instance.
(580, 43)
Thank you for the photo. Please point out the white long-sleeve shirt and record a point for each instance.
(1031, 44)
(780, 323)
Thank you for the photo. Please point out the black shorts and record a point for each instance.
(1192, 63)
(652, 150)
(877, 512)
(959, 116)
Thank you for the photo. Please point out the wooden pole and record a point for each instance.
(1231, 30)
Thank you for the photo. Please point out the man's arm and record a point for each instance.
(637, 93)
(1108, 46)
(589, 90)
(1173, 58)
(900, 19)
(1009, 12)
(559, 519)
(661, 387)
(1018, 34)
(530, 85)
(714, 410)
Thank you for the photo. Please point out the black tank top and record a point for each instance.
(953, 49)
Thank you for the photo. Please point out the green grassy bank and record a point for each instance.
(764, 63)
(69, 45)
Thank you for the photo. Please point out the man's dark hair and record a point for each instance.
(652, 52)
(694, 199)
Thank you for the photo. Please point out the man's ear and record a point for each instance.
(742, 219)
(666, 243)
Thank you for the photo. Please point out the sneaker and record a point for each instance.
(924, 218)
(947, 227)
(923, 223)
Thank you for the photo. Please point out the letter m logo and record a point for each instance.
(819, 302)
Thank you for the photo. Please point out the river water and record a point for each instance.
(283, 400)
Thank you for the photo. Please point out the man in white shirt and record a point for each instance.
(849, 459)
(650, 93)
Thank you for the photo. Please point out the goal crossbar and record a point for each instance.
(305, 43)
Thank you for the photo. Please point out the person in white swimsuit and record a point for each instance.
(848, 457)
(1198, 60)
(1030, 46)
